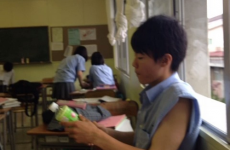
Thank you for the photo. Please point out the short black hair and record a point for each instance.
(161, 35)
(8, 66)
(81, 50)
(97, 59)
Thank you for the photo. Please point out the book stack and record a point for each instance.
(9, 102)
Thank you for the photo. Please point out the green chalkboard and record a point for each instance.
(24, 42)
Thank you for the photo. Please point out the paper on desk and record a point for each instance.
(109, 99)
(125, 126)
(88, 100)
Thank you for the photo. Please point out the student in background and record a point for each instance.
(169, 117)
(7, 74)
(100, 73)
(71, 68)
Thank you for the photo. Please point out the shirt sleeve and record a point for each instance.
(81, 64)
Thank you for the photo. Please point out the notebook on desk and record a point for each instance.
(88, 100)
(3, 100)
(97, 100)
(108, 99)
(112, 121)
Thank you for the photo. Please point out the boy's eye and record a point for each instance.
(140, 58)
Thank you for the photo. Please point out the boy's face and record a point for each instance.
(147, 70)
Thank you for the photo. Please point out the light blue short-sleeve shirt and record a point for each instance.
(68, 68)
(101, 75)
(157, 101)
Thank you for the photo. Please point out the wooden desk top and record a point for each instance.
(5, 110)
(5, 95)
(2, 116)
(42, 130)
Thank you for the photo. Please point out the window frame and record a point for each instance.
(122, 57)
(226, 29)
(121, 52)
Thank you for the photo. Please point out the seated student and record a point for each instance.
(71, 68)
(100, 73)
(169, 117)
(7, 74)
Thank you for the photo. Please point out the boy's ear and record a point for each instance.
(166, 60)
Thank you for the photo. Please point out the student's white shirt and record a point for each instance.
(7, 77)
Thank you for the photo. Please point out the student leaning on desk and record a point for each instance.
(71, 68)
(169, 117)
(100, 73)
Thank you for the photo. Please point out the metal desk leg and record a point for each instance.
(11, 131)
(44, 100)
(36, 116)
(4, 133)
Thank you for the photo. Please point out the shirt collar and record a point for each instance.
(150, 93)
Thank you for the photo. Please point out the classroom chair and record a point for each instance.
(3, 136)
(6, 114)
(28, 94)
(46, 92)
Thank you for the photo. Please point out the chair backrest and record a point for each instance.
(100, 93)
(47, 80)
(27, 93)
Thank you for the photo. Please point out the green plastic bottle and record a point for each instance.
(64, 113)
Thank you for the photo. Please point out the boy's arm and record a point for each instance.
(171, 130)
(173, 127)
(125, 137)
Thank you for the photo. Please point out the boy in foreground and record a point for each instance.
(169, 118)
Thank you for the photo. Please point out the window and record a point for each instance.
(207, 64)
(122, 57)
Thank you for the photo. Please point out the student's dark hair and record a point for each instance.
(8, 66)
(161, 35)
(97, 59)
(81, 50)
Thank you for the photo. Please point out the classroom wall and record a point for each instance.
(15, 13)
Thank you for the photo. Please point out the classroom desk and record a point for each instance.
(3, 121)
(9, 122)
(5, 95)
(93, 93)
(49, 139)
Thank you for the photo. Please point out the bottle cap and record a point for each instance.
(53, 107)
